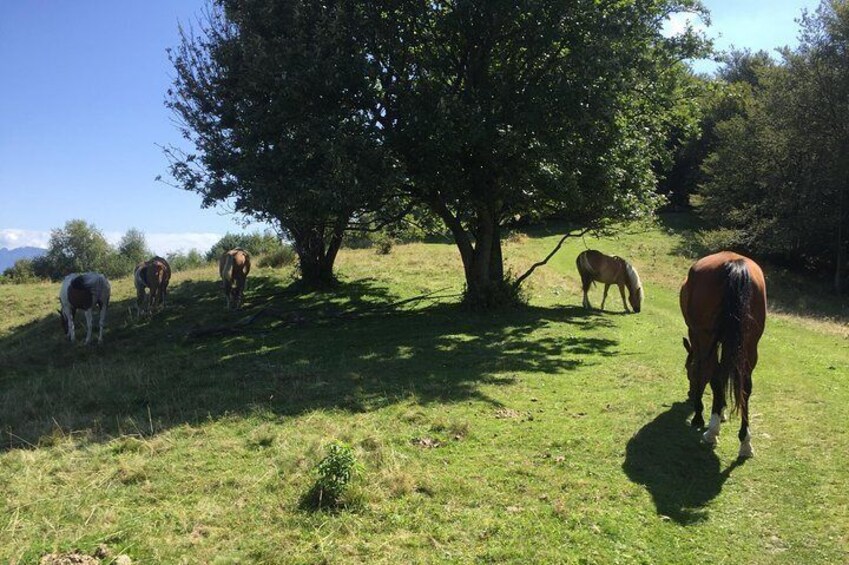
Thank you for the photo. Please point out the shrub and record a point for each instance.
(334, 472)
(180, 261)
(281, 257)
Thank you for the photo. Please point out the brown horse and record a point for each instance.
(234, 267)
(596, 266)
(723, 302)
(154, 274)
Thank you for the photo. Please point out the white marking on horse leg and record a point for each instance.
(88, 325)
(72, 336)
(102, 323)
(746, 450)
(724, 416)
(713, 430)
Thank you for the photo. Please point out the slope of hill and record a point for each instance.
(545, 434)
(9, 256)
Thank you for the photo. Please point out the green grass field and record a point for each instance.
(545, 434)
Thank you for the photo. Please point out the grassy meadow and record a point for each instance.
(543, 434)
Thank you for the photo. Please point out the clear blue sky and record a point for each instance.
(81, 112)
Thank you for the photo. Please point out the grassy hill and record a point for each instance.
(547, 434)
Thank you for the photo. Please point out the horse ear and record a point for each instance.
(687, 345)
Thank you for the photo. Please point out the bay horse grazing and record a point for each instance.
(723, 302)
(153, 274)
(234, 266)
(83, 292)
(595, 266)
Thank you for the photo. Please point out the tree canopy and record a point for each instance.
(312, 114)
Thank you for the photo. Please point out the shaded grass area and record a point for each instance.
(545, 434)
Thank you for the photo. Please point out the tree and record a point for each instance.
(312, 114)
(502, 108)
(274, 97)
(778, 175)
(256, 243)
(77, 247)
(133, 247)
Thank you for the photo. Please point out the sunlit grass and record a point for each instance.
(547, 434)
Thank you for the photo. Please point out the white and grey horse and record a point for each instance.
(83, 291)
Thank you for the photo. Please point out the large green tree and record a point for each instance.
(274, 97)
(779, 174)
(500, 108)
(311, 113)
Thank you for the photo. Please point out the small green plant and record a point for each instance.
(335, 472)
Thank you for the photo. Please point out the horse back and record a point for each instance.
(703, 292)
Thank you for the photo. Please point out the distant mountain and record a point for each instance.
(9, 256)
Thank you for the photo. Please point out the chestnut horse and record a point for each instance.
(596, 266)
(154, 274)
(234, 267)
(723, 302)
(83, 292)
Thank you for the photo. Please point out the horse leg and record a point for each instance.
(88, 325)
(716, 410)
(101, 323)
(71, 313)
(603, 298)
(744, 434)
(622, 293)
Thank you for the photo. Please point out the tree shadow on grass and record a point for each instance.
(681, 474)
(358, 348)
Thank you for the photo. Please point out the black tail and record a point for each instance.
(735, 308)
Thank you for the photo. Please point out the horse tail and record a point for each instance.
(227, 269)
(585, 270)
(735, 308)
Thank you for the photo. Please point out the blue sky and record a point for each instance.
(81, 113)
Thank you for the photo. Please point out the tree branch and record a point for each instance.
(538, 264)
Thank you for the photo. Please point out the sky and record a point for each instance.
(82, 118)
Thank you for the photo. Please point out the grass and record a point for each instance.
(545, 434)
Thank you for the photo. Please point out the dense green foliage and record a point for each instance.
(256, 243)
(778, 177)
(275, 98)
(307, 114)
(79, 247)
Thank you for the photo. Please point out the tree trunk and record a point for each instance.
(839, 267)
(317, 253)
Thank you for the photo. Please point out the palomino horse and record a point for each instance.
(724, 304)
(84, 292)
(154, 274)
(234, 267)
(596, 266)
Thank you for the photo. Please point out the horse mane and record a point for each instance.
(634, 282)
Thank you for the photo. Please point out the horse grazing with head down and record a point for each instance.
(595, 266)
(83, 292)
(234, 267)
(723, 302)
(154, 274)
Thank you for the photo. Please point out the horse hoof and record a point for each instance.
(697, 423)
(746, 453)
(709, 438)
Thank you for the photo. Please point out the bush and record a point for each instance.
(254, 243)
(19, 273)
(180, 261)
(334, 472)
(281, 257)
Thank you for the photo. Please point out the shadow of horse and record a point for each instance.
(681, 474)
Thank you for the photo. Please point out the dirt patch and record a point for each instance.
(79, 558)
